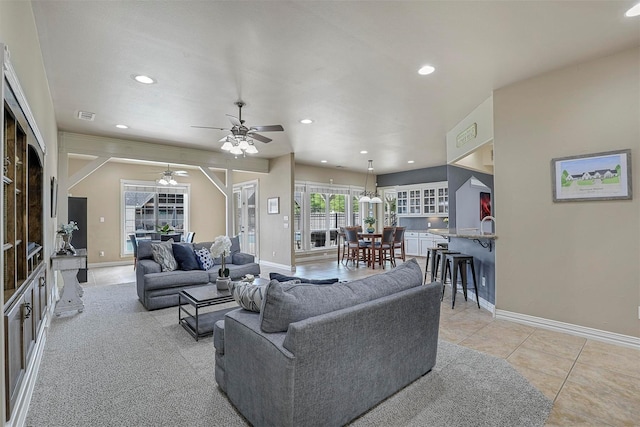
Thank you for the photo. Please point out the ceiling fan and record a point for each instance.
(167, 176)
(240, 132)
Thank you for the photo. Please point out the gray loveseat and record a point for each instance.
(159, 289)
(332, 351)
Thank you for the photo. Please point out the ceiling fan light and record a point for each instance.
(227, 146)
(173, 182)
(163, 181)
(252, 149)
(235, 150)
(243, 144)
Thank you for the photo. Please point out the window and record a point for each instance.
(320, 210)
(390, 200)
(147, 206)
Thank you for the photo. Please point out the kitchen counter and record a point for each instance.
(467, 234)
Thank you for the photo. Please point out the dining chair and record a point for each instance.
(356, 250)
(134, 243)
(398, 242)
(385, 248)
(190, 236)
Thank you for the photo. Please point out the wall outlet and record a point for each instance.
(428, 224)
(101, 253)
(274, 253)
(484, 281)
(101, 219)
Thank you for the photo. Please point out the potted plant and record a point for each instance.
(66, 231)
(165, 229)
(220, 248)
(370, 221)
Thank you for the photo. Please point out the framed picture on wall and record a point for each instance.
(54, 197)
(598, 176)
(273, 205)
(485, 205)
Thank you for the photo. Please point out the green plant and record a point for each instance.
(165, 228)
(369, 221)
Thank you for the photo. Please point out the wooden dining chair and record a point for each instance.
(134, 244)
(356, 250)
(398, 242)
(384, 249)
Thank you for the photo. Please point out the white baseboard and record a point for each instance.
(581, 331)
(276, 265)
(109, 264)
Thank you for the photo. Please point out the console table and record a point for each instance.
(69, 265)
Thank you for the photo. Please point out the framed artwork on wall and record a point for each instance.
(273, 205)
(485, 205)
(54, 197)
(598, 176)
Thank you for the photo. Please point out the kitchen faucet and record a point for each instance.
(487, 218)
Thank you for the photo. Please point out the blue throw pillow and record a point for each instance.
(204, 258)
(185, 256)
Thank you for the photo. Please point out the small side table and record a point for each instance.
(69, 265)
(201, 324)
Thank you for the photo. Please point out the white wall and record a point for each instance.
(577, 262)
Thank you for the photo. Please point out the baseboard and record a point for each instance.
(109, 264)
(483, 302)
(581, 331)
(276, 265)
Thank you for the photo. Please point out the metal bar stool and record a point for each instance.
(438, 254)
(454, 263)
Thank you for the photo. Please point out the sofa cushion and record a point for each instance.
(282, 278)
(204, 258)
(235, 245)
(144, 249)
(163, 255)
(174, 279)
(287, 303)
(248, 295)
(185, 257)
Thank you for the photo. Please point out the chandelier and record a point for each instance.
(369, 196)
(239, 144)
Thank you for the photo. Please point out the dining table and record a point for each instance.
(372, 238)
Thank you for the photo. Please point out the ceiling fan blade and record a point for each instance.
(234, 120)
(181, 173)
(208, 127)
(260, 137)
(267, 128)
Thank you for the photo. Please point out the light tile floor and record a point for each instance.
(591, 383)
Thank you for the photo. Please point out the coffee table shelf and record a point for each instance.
(196, 323)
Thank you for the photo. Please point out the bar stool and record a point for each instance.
(454, 263)
(440, 256)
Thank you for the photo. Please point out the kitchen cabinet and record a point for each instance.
(411, 243)
(429, 199)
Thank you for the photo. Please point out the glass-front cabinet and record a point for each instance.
(429, 199)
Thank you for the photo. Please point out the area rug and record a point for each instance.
(117, 364)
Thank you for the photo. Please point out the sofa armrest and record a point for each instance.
(146, 266)
(218, 336)
(240, 258)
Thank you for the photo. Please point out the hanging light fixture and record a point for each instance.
(238, 145)
(369, 196)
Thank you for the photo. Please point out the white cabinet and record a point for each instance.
(411, 243)
(425, 242)
(429, 199)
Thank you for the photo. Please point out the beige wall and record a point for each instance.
(275, 240)
(575, 262)
(102, 189)
(339, 176)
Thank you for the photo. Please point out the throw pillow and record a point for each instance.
(163, 255)
(250, 296)
(282, 278)
(185, 257)
(204, 258)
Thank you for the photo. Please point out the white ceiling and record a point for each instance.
(349, 66)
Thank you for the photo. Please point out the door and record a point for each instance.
(245, 197)
(78, 213)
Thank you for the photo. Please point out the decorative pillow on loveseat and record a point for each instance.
(250, 296)
(285, 303)
(185, 256)
(163, 255)
(204, 258)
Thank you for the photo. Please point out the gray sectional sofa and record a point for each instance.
(159, 289)
(321, 355)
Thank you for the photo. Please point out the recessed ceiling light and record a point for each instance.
(122, 126)
(411, 161)
(634, 11)
(323, 161)
(140, 78)
(306, 121)
(364, 152)
(426, 69)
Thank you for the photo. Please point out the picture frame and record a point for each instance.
(597, 176)
(485, 205)
(273, 205)
(54, 197)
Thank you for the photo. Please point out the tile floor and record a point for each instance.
(591, 383)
